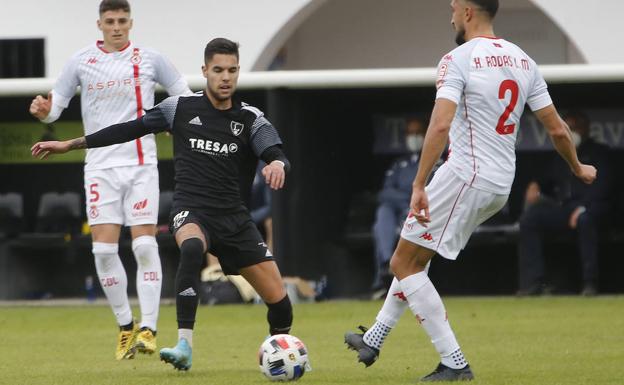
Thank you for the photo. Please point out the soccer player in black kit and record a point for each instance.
(217, 141)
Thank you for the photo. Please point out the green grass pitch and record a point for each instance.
(548, 340)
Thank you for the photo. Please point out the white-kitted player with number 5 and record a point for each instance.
(483, 86)
(117, 79)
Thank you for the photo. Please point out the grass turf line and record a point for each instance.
(548, 340)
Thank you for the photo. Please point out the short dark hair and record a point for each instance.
(114, 5)
(489, 6)
(220, 45)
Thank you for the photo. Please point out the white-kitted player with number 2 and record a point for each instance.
(483, 86)
(117, 79)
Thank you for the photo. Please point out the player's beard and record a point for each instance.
(460, 37)
(219, 97)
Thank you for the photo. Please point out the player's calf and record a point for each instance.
(280, 316)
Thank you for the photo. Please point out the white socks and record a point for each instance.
(394, 306)
(455, 360)
(113, 279)
(187, 334)
(426, 304)
(388, 316)
(148, 279)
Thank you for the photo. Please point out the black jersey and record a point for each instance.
(213, 149)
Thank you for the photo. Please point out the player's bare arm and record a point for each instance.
(435, 141)
(40, 107)
(559, 133)
(43, 149)
(117, 133)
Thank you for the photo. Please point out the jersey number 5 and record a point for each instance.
(95, 196)
(507, 85)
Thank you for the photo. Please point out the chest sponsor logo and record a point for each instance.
(212, 147)
(236, 127)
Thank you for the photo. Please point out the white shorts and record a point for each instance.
(122, 195)
(456, 209)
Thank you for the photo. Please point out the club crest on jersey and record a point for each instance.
(236, 127)
(179, 219)
(93, 212)
(136, 58)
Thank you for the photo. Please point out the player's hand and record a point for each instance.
(41, 150)
(40, 107)
(274, 174)
(586, 173)
(419, 205)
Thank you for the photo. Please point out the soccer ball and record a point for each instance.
(283, 357)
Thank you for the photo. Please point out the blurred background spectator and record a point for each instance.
(393, 205)
(569, 207)
(260, 206)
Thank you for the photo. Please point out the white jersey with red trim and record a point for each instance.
(490, 80)
(116, 87)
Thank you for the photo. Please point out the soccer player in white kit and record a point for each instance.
(117, 79)
(483, 86)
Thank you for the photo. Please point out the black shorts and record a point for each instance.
(233, 238)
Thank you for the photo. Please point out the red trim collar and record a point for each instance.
(489, 37)
(100, 45)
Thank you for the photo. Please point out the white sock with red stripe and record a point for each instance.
(148, 279)
(113, 279)
(394, 306)
(426, 304)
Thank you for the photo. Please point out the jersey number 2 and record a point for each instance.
(507, 85)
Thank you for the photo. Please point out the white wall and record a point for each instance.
(351, 37)
(179, 29)
(594, 26)
(404, 33)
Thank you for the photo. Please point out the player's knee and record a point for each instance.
(402, 266)
(106, 254)
(191, 254)
(280, 316)
(145, 249)
(395, 265)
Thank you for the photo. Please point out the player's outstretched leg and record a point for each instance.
(444, 373)
(180, 356)
(368, 344)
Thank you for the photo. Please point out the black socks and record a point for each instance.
(188, 281)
